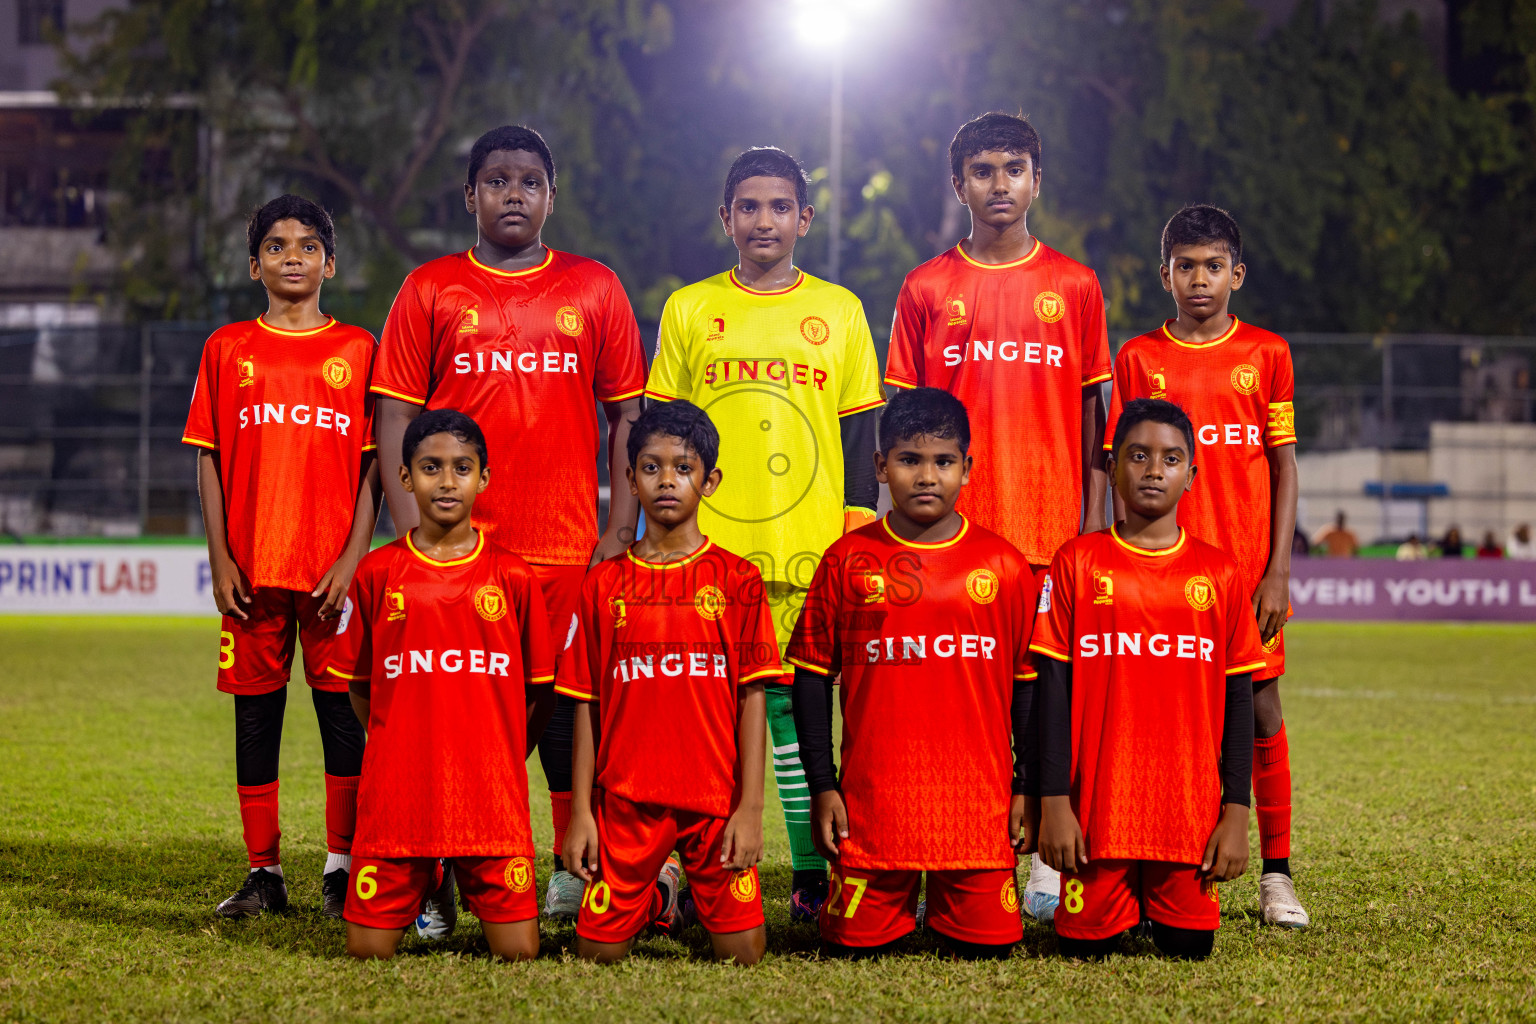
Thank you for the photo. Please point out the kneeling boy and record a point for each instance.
(449, 644)
(1146, 709)
(927, 616)
(674, 643)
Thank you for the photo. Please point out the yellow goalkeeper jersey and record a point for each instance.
(775, 371)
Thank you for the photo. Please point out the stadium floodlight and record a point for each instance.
(827, 25)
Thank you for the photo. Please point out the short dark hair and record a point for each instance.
(291, 207)
(1152, 410)
(1202, 224)
(924, 412)
(995, 130)
(509, 137)
(443, 421)
(682, 420)
(768, 162)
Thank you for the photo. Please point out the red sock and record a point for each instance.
(560, 808)
(1272, 794)
(340, 812)
(258, 818)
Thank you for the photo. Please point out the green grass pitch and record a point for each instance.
(1415, 765)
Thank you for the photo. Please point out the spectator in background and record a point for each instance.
(1520, 545)
(1451, 546)
(1300, 547)
(1490, 548)
(1412, 550)
(1338, 541)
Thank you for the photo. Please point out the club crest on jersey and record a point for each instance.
(716, 329)
(1103, 587)
(1282, 418)
(519, 876)
(394, 600)
(1159, 384)
(1200, 592)
(871, 586)
(981, 585)
(1245, 378)
(744, 885)
(1046, 587)
(490, 602)
(815, 330)
(709, 602)
(955, 307)
(1271, 645)
(247, 370)
(1010, 895)
(469, 321)
(1050, 307)
(337, 372)
(568, 319)
(616, 605)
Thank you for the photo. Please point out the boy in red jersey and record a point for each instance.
(927, 617)
(1146, 720)
(674, 639)
(446, 639)
(521, 338)
(1236, 382)
(1016, 331)
(289, 490)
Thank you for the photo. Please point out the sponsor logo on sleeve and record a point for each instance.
(1045, 595)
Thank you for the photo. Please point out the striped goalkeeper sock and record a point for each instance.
(794, 792)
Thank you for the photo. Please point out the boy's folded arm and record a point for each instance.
(812, 699)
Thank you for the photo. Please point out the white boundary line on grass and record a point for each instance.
(1432, 696)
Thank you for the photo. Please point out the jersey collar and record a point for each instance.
(671, 565)
(1034, 251)
(799, 280)
(330, 322)
(549, 257)
(965, 528)
(479, 547)
(1173, 549)
(1225, 336)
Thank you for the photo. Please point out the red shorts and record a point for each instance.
(388, 893)
(561, 585)
(1274, 659)
(1109, 896)
(871, 908)
(633, 843)
(256, 654)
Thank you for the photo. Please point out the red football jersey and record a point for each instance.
(663, 647)
(1238, 392)
(522, 353)
(290, 415)
(929, 639)
(1017, 343)
(448, 648)
(1152, 636)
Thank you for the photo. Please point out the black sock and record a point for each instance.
(810, 878)
(559, 864)
(1183, 943)
(837, 949)
(1087, 949)
(979, 950)
(1280, 864)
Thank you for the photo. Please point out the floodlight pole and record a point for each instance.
(835, 171)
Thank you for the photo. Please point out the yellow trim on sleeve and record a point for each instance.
(189, 439)
(1027, 677)
(577, 694)
(1237, 670)
(542, 679)
(1051, 653)
(342, 675)
(809, 667)
(1099, 378)
(763, 673)
(619, 398)
(861, 408)
(380, 389)
(651, 392)
(893, 382)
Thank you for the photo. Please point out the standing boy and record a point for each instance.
(447, 646)
(521, 337)
(289, 489)
(784, 363)
(673, 646)
(927, 617)
(1146, 724)
(1016, 331)
(1236, 382)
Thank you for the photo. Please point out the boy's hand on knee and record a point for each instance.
(580, 851)
(829, 822)
(741, 845)
(1226, 852)
(1061, 837)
